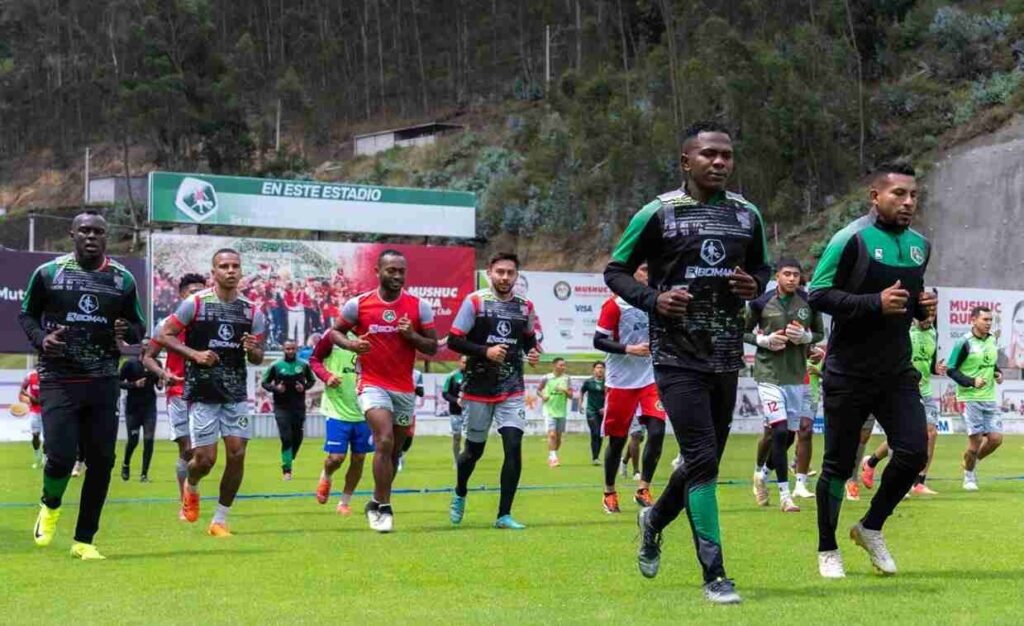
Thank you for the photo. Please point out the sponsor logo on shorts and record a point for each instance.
(243, 421)
(658, 405)
(403, 420)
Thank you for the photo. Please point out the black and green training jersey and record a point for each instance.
(859, 262)
(86, 303)
(594, 390)
(297, 378)
(694, 245)
(974, 357)
(773, 312)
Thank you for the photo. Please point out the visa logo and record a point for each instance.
(584, 308)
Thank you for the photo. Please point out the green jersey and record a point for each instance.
(814, 381)
(594, 390)
(924, 344)
(974, 357)
(773, 312)
(557, 390)
(340, 402)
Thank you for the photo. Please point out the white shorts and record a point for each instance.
(554, 424)
(931, 410)
(457, 423)
(177, 415)
(209, 422)
(982, 417)
(782, 403)
(35, 423)
(636, 429)
(401, 405)
(479, 416)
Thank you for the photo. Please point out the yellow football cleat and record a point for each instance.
(86, 552)
(218, 530)
(46, 525)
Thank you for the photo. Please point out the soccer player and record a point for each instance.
(593, 391)
(782, 326)
(419, 391)
(172, 377)
(391, 326)
(495, 329)
(346, 426)
(972, 365)
(289, 379)
(870, 279)
(707, 253)
(452, 393)
(76, 308)
(139, 412)
(923, 340)
(623, 334)
(556, 391)
(223, 330)
(29, 394)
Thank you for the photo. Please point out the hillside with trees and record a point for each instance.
(574, 108)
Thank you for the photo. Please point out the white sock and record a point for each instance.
(191, 488)
(552, 454)
(969, 474)
(783, 489)
(801, 479)
(181, 470)
(346, 498)
(765, 471)
(220, 515)
(758, 469)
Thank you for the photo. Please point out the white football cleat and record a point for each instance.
(830, 564)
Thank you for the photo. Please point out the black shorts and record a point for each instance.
(140, 417)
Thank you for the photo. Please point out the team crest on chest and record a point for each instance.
(389, 316)
(916, 255)
(803, 313)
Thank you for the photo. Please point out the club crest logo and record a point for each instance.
(803, 313)
(916, 255)
(504, 328)
(389, 316)
(562, 290)
(226, 332)
(196, 198)
(878, 254)
(712, 251)
(88, 304)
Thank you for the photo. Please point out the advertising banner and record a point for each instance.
(954, 321)
(310, 205)
(17, 269)
(302, 285)
(567, 305)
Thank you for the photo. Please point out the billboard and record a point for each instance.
(301, 285)
(310, 205)
(954, 321)
(18, 267)
(568, 305)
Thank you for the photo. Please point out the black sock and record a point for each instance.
(873, 461)
(385, 509)
(612, 455)
(920, 479)
(511, 468)
(465, 465)
(652, 451)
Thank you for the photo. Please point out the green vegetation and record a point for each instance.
(292, 560)
(817, 92)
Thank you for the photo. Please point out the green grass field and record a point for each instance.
(961, 555)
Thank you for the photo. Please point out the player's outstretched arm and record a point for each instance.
(149, 355)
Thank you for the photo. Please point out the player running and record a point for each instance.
(623, 334)
(593, 391)
(452, 393)
(494, 328)
(972, 365)
(139, 412)
(222, 330)
(29, 394)
(706, 251)
(871, 281)
(782, 326)
(289, 379)
(556, 391)
(391, 326)
(346, 426)
(172, 377)
(923, 341)
(76, 308)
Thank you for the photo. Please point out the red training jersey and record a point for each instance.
(390, 361)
